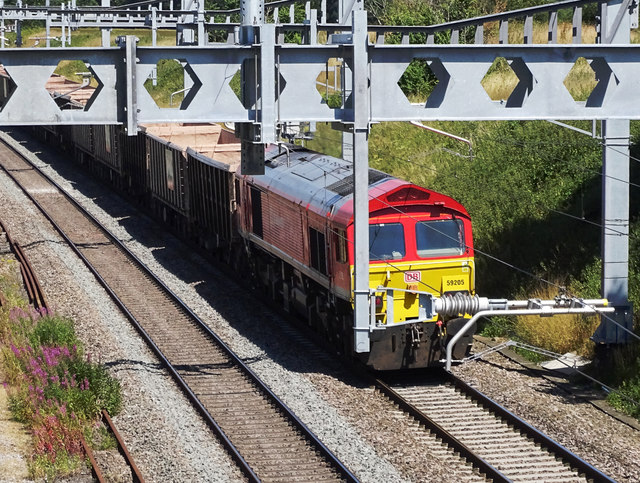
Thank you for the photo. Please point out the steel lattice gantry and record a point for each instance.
(540, 94)
(282, 79)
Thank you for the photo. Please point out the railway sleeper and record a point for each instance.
(312, 471)
(301, 457)
(513, 452)
(550, 477)
(285, 429)
(535, 479)
(306, 479)
(526, 466)
(441, 404)
(260, 415)
(482, 431)
(479, 421)
(260, 443)
(275, 438)
(286, 452)
(261, 418)
(445, 408)
(488, 438)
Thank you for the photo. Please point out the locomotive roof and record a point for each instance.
(316, 180)
(324, 184)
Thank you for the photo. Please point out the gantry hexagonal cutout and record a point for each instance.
(237, 84)
(509, 81)
(424, 81)
(172, 84)
(588, 80)
(500, 80)
(7, 87)
(73, 85)
(330, 83)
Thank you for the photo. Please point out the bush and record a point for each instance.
(54, 388)
(53, 331)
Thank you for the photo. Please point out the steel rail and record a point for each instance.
(32, 284)
(38, 298)
(244, 466)
(122, 448)
(95, 468)
(338, 465)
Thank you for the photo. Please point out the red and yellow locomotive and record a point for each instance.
(298, 220)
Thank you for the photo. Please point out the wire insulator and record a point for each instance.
(461, 304)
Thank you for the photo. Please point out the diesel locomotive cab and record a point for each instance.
(417, 248)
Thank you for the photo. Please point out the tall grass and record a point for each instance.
(560, 333)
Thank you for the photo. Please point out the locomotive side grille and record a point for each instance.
(344, 187)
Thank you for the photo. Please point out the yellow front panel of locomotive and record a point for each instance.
(433, 276)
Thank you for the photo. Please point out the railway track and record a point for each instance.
(501, 445)
(268, 442)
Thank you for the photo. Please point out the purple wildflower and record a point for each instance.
(16, 350)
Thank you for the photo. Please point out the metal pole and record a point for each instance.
(545, 311)
(47, 27)
(615, 26)
(252, 152)
(615, 230)
(252, 13)
(186, 33)
(361, 108)
(202, 34)
(154, 26)
(63, 33)
(105, 32)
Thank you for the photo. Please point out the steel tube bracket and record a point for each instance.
(130, 72)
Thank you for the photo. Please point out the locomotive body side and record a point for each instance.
(301, 212)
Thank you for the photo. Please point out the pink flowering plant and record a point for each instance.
(53, 387)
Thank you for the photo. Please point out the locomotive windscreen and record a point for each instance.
(440, 238)
(386, 241)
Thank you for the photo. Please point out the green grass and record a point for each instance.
(100, 437)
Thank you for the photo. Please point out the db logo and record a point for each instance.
(411, 277)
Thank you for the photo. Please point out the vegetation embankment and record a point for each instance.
(54, 388)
